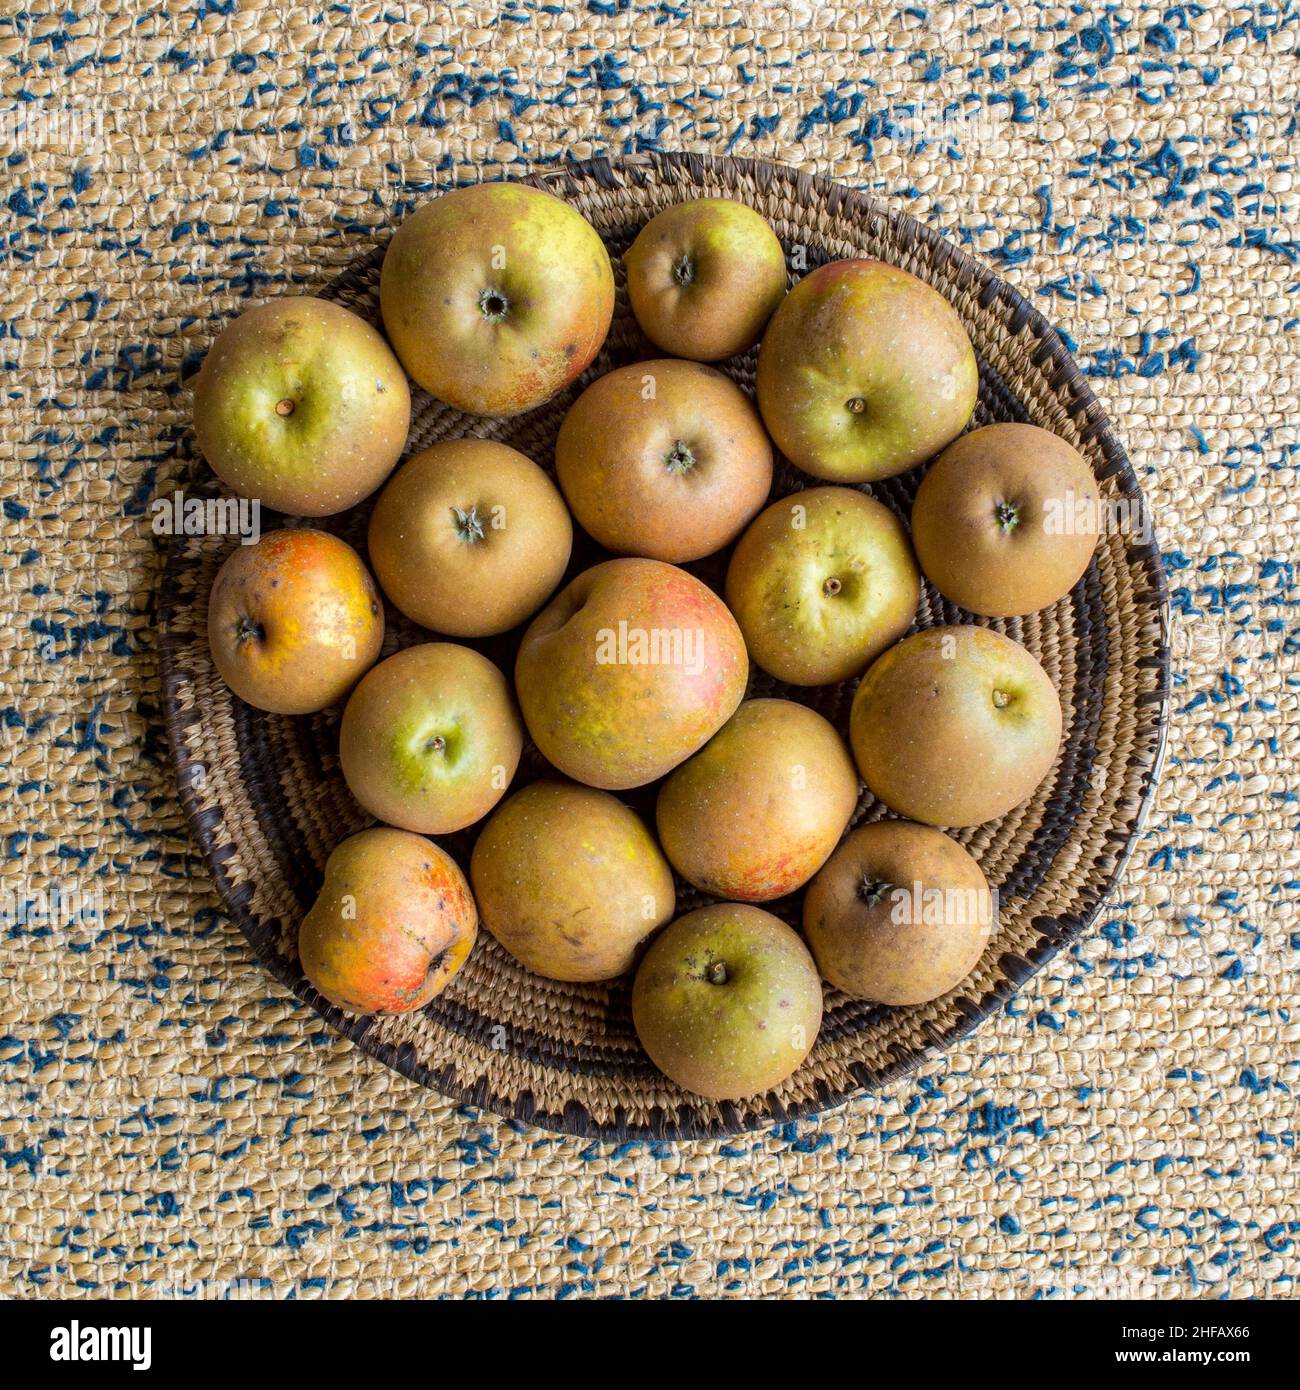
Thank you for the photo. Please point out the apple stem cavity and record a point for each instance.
(872, 891)
(468, 526)
(684, 270)
(1007, 514)
(679, 459)
(493, 305)
(832, 587)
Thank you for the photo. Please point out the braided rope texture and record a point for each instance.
(172, 1121)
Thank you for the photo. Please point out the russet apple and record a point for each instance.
(821, 582)
(955, 726)
(754, 814)
(301, 405)
(1006, 520)
(900, 914)
(570, 881)
(496, 296)
(727, 1001)
(704, 278)
(864, 372)
(469, 538)
(393, 923)
(294, 621)
(664, 459)
(627, 671)
(430, 738)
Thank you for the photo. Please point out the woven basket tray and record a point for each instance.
(267, 801)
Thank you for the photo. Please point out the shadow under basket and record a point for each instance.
(267, 801)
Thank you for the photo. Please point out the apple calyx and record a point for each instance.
(1007, 515)
(873, 891)
(684, 269)
(437, 744)
(249, 630)
(467, 525)
(493, 305)
(679, 459)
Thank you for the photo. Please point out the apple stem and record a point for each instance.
(832, 587)
(467, 525)
(716, 974)
(1007, 514)
(284, 407)
(679, 459)
(436, 744)
(856, 404)
(247, 630)
(684, 270)
(1001, 699)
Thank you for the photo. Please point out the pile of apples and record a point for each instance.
(494, 298)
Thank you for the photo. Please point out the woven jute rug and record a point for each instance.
(173, 1122)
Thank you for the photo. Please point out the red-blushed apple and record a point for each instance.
(955, 726)
(302, 406)
(664, 459)
(1006, 520)
(570, 881)
(727, 1001)
(294, 621)
(864, 372)
(821, 583)
(704, 278)
(430, 738)
(627, 671)
(496, 296)
(900, 914)
(753, 815)
(469, 538)
(393, 923)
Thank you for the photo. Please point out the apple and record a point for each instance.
(955, 726)
(864, 372)
(727, 1001)
(430, 739)
(704, 278)
(754, 814)
(294, 621)
(1006, 520)
(393, 923)
(900, 914)
(302, 406)
(627, 671)
(469, 538)
(823, 581)
(497, 296)
(664, 459)
(570, 881)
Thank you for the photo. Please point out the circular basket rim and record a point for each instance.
(574, 1118)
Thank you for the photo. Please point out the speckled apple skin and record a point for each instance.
(755, 813)
(888, 951)
(615, 448)
(777, 585)
(735, 1039)
(430, 738)
(294, 621)
(570, 881)
(736, 277)
(931, 742)
(543, 258)
(394, 922)
(622, 723)
(1006, 571)
(351, 407)
(861, 330)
